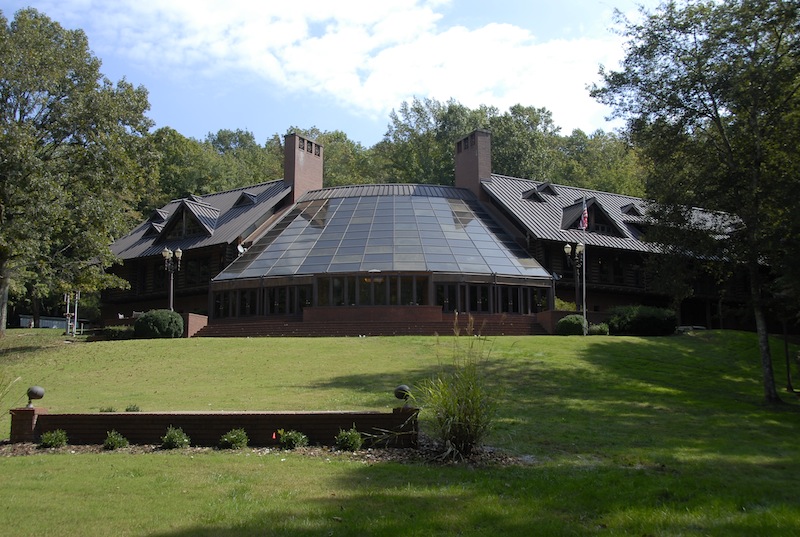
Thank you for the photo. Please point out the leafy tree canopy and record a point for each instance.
(75, 158)
(710, 91)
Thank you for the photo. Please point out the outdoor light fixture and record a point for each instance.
(402, 392)
(172, 262)
(34, 392)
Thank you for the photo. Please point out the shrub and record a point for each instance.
(132, 408)
(571, 325)
(159, 324)
(349, 440)
(563, 305)
(234, 439)
(114, 440)
(175, 438)
(292, 439)
(117, 333)
(457, 403)
(598, 329)
(54, 439)
(108, 409)
(642, 321)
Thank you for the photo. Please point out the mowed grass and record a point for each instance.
(617, 436)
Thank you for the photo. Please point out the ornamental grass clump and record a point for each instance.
(458, 403)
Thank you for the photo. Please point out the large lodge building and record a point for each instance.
(291, 257)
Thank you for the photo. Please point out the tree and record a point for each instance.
(75, 158)
(418, 145)
(710, 91)
(346, 162)
(598, 161)
(524, 142)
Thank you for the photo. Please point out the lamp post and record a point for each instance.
(579, 270)
(172, 262)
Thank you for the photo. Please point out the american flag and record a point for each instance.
(584, 217)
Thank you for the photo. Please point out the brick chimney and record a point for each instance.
(474, 161)
(302, 165)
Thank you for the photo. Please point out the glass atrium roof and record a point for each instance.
(358, 233)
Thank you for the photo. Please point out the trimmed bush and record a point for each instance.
(54, 439)
(159, 324)
(571, 325)
(118, 333)
(642, 321)
(114, 440)
(598, 329)
(349, 440)
(175, 438)
(234, 439)
(292, 439)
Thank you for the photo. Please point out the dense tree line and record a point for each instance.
(418, 147)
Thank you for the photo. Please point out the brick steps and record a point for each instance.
(488, 325)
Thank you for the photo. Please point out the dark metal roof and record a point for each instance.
(389, 189)
(223, 219)
(549, 214)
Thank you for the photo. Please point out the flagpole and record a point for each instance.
(583, 263)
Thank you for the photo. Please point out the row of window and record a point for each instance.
(372, 290)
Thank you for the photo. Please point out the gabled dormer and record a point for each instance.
(153, 230)
(538, 193)
(246, 199)
(598, 220)
(158, 216)
(191, 219)
(631, 210)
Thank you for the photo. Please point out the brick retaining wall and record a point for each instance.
(206, 428)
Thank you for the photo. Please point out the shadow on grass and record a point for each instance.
(630, 396)
(392, 499)
(626, 398)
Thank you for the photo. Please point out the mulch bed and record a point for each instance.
(426, 453)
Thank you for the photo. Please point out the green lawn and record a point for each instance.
(619, 436)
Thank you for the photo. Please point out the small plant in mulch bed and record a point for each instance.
(234, 439)
(349, 440)
(114, 440)
(54, 439)
(175, 439)
(292, 439)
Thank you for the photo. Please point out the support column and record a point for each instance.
(23, 424)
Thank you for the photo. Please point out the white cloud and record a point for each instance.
(368, 56)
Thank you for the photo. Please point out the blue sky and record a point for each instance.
(265, 66)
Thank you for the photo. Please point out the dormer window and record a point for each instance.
(631, 210)
(185, 226)
(547, 188)
(246, 198)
